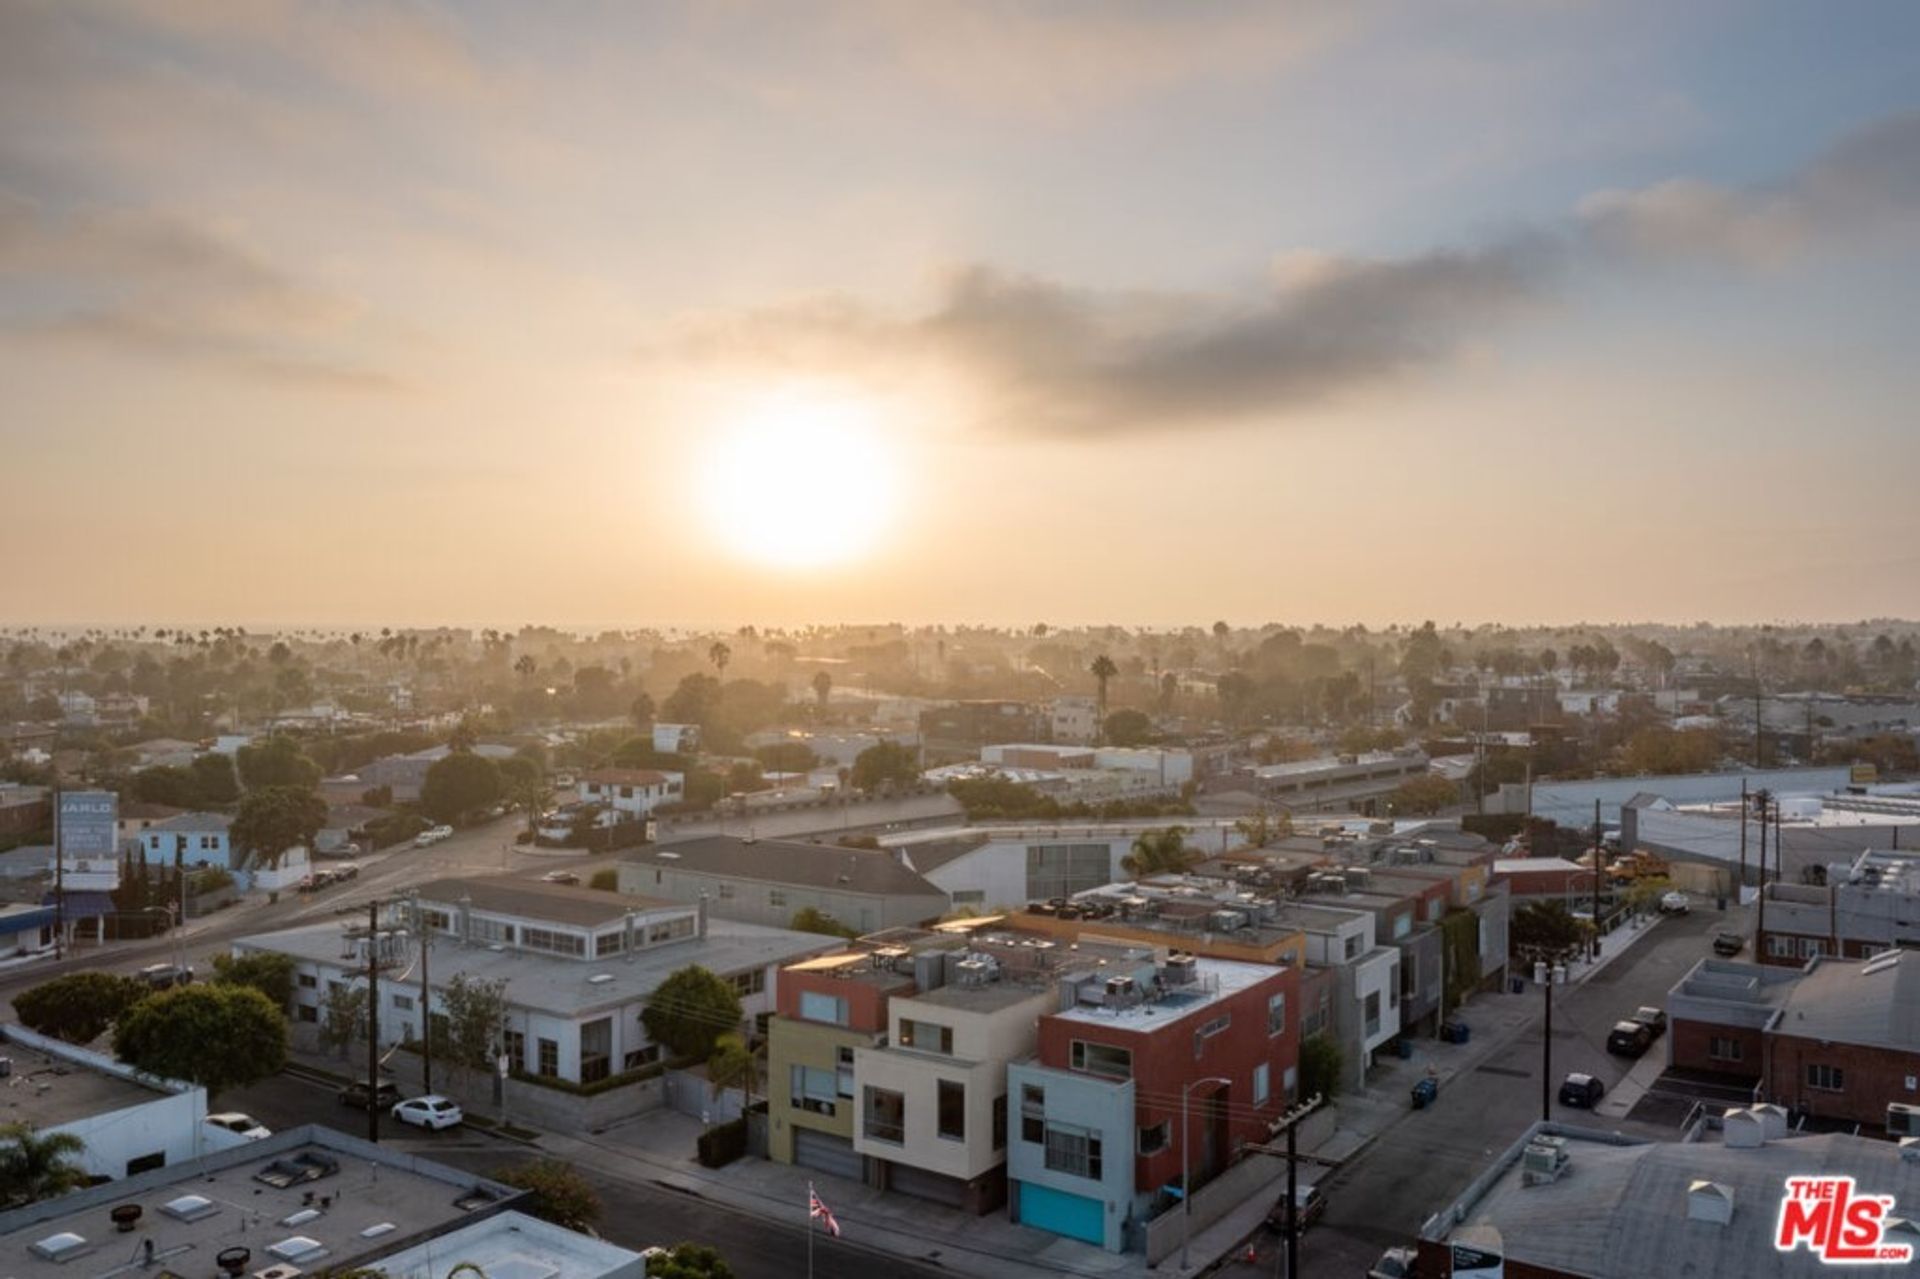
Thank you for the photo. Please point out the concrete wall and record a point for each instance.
(1257, 1175)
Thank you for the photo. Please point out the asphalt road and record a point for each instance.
(1423, 1162)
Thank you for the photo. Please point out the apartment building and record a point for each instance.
(1867, 905)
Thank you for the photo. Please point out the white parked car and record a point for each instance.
(1674, 903)
(431, 836)
(246, 1125)
(432, 1111)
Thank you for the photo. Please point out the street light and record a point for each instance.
(1186, 1162)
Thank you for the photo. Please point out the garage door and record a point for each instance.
(918, 1183)
(824, 1152)
(1075, 1216)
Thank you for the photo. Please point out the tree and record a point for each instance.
(213, 779)
(1103, 670)
(1128, 728)
(640, 711)
(267, 971)
(1543, 930)
(690, 1261)
(1320, 1065)
(345, 1017)
(1423, 796)
(1159, 852)
(36, 1166)
(886, 762)
(277, 761)
(733, 1065)
(560, 1194)
(694, 700)
(1261, 828)
(822, 687)
(473, 1011)
(810, 919)
(274, 819)
(217, 1036)
(786, 757)
(79, 1007)
(719, 654)
(458, 786)
(167, 785)
(690, 1010)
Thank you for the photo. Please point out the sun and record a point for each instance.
(800, 480)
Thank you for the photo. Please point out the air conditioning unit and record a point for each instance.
(1903, 1120)
(1544, 1160)
(1227, 921)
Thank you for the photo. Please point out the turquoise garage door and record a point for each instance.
(1075, 1216)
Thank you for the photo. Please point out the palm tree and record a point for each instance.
(719, 654)
(524, 666)
(1158, 852)
(822, 685)
(1102, 670)
(35, 1166)
(733, 1065)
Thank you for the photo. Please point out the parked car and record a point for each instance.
(560, 877)
(1728, 943)
(346, 870)
(1309, 1205)
(1629, 1038)
(1654, 1019)
(234, 1121)
(1395, 1263)
(432, 1111)
(166, 976)
(1674, 903)
(386, 1093)
(1581, 1090)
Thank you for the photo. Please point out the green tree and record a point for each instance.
(690, 1010)
(277, 761)
(560, 1194)
(168, 785)
(267, 971)
(36, 1166)
(1423, 796)
(344, 1019)
(720, 655)
(695, 700)
(78, 1007)
(1159, 852)
(640, 711)
(786, 757)
(217, 1036)
(1320, 1065)
(1103, 670)
(274, 819)
(733, 1064)
(458, 786)
(1261, 828)
(886, 762)
(474, 1011)
(810, 919)
(1543, 930)
(1128, 728)
(213, 779)
(690, 1261)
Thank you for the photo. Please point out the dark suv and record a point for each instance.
(1581, 1090)
(1629, 1038)
(386, 1094)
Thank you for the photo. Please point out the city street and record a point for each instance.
(1414, 1169)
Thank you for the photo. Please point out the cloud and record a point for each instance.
(1864, 186)
(1049, 359)
(146, 283)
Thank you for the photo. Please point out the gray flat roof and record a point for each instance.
(987, 998)
(351, 1188)
(780, 861)
(46, 1091)
(1857, 1001)
(549, 983)
(536, 899)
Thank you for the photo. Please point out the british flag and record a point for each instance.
(817, 1208)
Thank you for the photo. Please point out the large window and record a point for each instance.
(1000, 1122)
(488, 931)
(1262, 1083)
(1373, 1013)
(611, 943)
(1033, 1113)
(844, 1072)
(1826, 1078)
(1353, 945)
(884, 1114)
(751, 982)
(1074, 1151)
(1154, 1139)
(670, 929)
(831, 1009)
(926, 1036)
(953, 1110)
(1061, 870)
(1218, 1026)
(549, 1058)
(1724, 1048)
(1277, 1014)
(552, 941)
(814, 1089)
(1101, 1059)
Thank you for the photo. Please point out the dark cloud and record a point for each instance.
(1055, 360)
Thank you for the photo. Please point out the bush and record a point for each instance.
(721, 1144)
(79, 1007)
(1320, 1064)
(560, 1195)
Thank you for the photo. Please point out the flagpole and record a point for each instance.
(810, 1197)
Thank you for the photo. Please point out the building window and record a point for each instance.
(641, 1057)
(1291, 1083)
(403, 1002)
(549, 1058)
(1033, 1113)
(1779, 947)
(1402, 925)
(306, 1013)
(885, 1115)
(751, 982)
(1373, 1013)
(776, 897)
(1826, 1078)
(1277, 1014)
(1154, 1139)
(830, 1009)
(1000, 1122)
(671, 930)
(1262, 1083)
(1811, 946)
(1101, 1059)
(146, 1163)
(1724, 1048)
(926, 1036)
(306, 981)
(1353, 946)
(844, 1072)
(813, 1089)
(514, 1046)
(1218, 1026)
(1074, 1151)
(969, 897)
(953, 1110)
(609, 944)
(553, 942)
(726, 892)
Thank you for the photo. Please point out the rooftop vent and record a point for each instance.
(1880, 963)
(301, 1217)
(1544, 1160)
(279, 1272)
(377, 1229)
(599, 979)
(294, 1248)
(233, 1260)
(189, 1207)
(1743, 1128)
(64, 1246)
(1709, 1201)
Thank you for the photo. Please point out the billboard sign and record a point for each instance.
(89, 824)
(1478, 1252)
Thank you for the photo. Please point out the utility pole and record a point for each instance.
(1741, 887)
(426, 1001)
(1596, 878)
(1292, 1120)
(1760, 928)
(373, 1021)
(59, 878)
(1546, 1052)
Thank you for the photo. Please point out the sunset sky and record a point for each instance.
(1524, 310)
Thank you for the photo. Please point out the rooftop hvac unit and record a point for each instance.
(1358, 876)
(1119, 987)
(1544, 1160)
(1228, 921)
(1179, 970)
